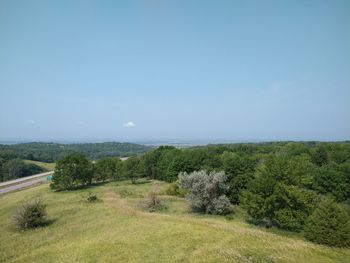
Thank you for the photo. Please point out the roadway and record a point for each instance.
(24, 182)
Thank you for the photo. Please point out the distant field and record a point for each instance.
(119, 229)
(46, 166)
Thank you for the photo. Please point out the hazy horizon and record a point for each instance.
(183, 70)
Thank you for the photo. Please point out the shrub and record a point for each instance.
(229, 217)
(329, 224)
(206, 192)
(30, 215)
(220, 206)
(175, 189)
(91, 197)
(154, 203)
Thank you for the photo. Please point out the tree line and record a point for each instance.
(51, 152)
(12, 167)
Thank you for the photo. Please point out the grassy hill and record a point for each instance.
(120, 229)
(45, 166)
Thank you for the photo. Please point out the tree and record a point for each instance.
(291, 206)
(239, 170)
(329, 224)
(72, 171)
(206, 192)
(107, 168)
(133, 168)
(275, 196)
(319, 155)
(14, 168)
(333, 179)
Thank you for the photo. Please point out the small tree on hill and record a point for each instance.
(133, 169)
(72, 171)
(329, 225)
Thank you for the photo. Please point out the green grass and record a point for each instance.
(120, 229)
(45, 166)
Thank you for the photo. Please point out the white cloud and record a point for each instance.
(129, 124)
(31, 121)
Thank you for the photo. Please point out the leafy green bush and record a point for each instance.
(206, 192)
(175, 189)
(30, 215)
(329, 225)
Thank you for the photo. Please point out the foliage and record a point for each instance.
(72, 171)
(334, 179)
(108, 168)
(17, 168)
(30, 215)
(91, 197)
(329, 224)
(154, 203)
(275, 195)
(319, 155)
(206, 192)
(239, 170)
(51, 152)
(175, 189)
(133, 169)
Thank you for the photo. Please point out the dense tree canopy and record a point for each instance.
(329, 224)
(72, 171)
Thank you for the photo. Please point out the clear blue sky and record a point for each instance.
(150, 70)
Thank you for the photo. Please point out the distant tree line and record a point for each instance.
(295, 186)
(51, 152)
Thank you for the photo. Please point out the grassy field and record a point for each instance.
(45, 166)
(120, 229)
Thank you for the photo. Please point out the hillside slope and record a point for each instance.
(120, 229)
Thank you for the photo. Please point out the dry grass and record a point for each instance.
(119, 230)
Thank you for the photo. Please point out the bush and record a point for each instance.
(329, 225)
(154, 203)
(91, 197)
(30, 215)
(206, 192)
(175, 189)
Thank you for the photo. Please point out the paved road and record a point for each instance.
(23, 182)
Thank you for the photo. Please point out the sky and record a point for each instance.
(174, 70)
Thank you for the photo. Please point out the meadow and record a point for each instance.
(119, 228)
